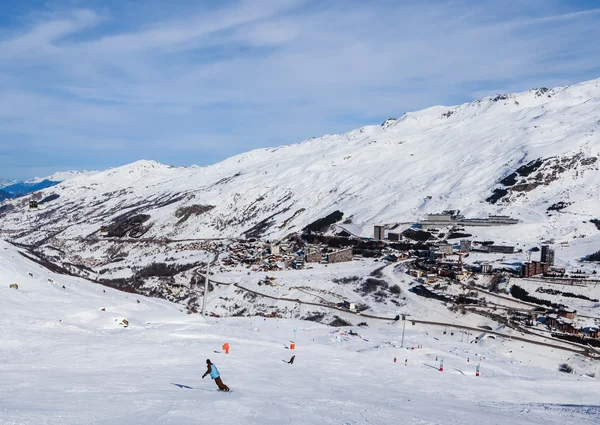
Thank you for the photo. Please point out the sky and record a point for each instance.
(100, 83)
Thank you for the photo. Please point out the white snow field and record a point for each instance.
(63, 360)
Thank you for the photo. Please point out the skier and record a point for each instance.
(292, 360)
(211, 370)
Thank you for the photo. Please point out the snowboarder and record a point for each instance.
(292, 360)
(211, 370)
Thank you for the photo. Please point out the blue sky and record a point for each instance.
(94, 84)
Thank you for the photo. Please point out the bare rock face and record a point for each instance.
(540, 172)
(14, 286)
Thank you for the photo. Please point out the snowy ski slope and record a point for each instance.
(63, 360)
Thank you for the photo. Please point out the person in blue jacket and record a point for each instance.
(214, 374)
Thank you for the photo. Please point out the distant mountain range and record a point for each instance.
(13, 188)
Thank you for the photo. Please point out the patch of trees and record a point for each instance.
(339, 322)
(163, 270)
(121, 284)
(565, 367)
(564, 294)
(422, 291)
(417, 235)
(496, 195)
(593, 257)
(315, 317)
(521, 294)
(456, 235)
(49, 198)
(377, 272)
(596, 222)
(530, 167)
(463, 299)
(240, 313)
(323, 223)
(395, 289)
(558, 206)
(372, 284)
(345, 280)
(510, 180)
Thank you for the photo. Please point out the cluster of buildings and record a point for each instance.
(263, 256)
(279, 255)
(564, 320)
(496, 249)
(533, 268)
(317, 255)
(88, 261)
(439, 261)
(194, 246)
(446, 219)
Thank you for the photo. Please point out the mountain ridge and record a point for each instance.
(424, 162)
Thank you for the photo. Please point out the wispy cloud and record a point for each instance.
(224, 77)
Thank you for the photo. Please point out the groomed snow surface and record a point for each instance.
(65, 361)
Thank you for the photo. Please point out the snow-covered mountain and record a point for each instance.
(61, 176)
(515, 154)
(6, 182)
